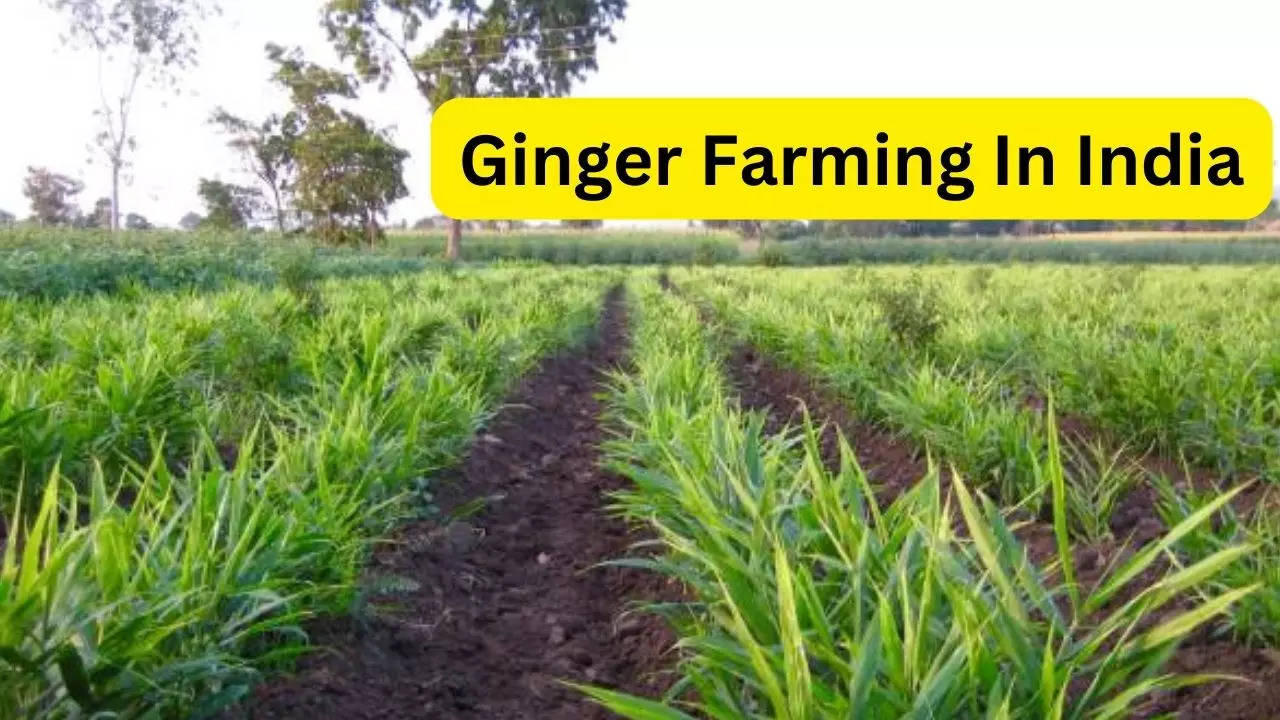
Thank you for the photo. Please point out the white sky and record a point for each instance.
(673, 48)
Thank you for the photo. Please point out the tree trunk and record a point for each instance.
(115, 196)
(452, 247)
(275, 192)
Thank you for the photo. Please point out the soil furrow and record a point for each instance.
(783, 394)
(497, 608)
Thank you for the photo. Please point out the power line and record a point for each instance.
(510, 35)
(518, 33)
(463, 61)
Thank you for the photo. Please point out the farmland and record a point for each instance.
(190, 472)
(880, 490)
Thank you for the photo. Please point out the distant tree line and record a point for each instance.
(53, 203)
(440, 222)
(318, 167)
(791, 229)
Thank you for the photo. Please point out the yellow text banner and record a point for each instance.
(990, 158)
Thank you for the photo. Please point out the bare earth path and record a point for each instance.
(507, 602)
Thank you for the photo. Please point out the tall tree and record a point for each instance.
(499, 48)
(190, 221)
(227, 206)
(144, 41)
(348, 173)
(100, 218)
(52, 196)
(267, 149)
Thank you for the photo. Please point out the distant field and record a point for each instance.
(53, 264)
(668, 247)
(187, 478)
(573, 247)
(57, 263)
(1226, 249)
(1168, 236)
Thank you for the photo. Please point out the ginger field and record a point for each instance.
(348, 485)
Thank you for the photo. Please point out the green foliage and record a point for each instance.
(1099, 479)
(525, 48)
(771, 255)
(149, 40)
(51, 264)
(227, 206)
(189, 476)
(52, 196)
(807, 599)
(1179, 361)
(913, 309)
(268, 148)
(1256, 619)
(504, 49)
(603, 248)
(348, 173)
(1242, 250)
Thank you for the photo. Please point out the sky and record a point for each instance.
(671, 48)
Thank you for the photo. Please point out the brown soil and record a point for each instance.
(1256, 698)
(784, 395)
(1136, 517)
(509, 601)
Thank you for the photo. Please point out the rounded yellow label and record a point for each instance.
(989, 158)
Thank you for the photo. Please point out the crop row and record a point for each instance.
(53, 264)
(189, 477)
(1178, 363)
(806, 599)
(1185, 361)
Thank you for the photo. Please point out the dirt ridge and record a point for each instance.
(507, 603)
(782, 393)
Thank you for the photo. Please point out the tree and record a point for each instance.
(7, 218)
(267, 148)
(51, 196)
(134, 221)
(227, 206)
(503, 48)
(100, 218)
(151, 40)
(191, 221)
(582, 224)
(749, 229)
(348, 173)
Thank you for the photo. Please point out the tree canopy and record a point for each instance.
(267, 149)
(52, 196)
(148, 41)
(348, 173)
(227, 206)
(500, 48)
